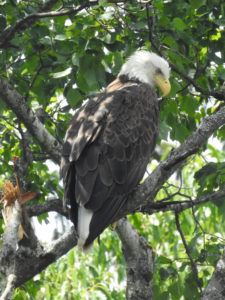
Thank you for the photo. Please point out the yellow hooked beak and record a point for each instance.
(163, 84)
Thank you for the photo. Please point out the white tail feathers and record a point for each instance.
(84, 219)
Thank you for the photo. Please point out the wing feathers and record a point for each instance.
(92, 157)
(84, 187)
(105, 173)
(118, 170)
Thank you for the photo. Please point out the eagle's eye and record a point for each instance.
(158, 71)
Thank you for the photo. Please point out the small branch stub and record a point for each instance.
(13, 199)
(8, 292)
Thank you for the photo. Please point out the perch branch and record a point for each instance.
(39, 260)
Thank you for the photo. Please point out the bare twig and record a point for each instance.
(193, 265)
(179, 206)
(219, 95)
(33, 81)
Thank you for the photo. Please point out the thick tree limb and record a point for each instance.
(216, 287)
(139, 262)
(141, 200)
(40, 259)
(47, 206)
(26, 262)
(26, 115)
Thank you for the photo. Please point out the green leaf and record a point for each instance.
(75, 59)
(73, 97)
(163, 260)
(197, 3)
(179, 24)
(71, 258)
(64, 73)
(60, 37)
(2, 22)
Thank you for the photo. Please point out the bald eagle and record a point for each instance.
(109, 143)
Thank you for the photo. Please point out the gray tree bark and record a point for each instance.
(216, 287)
(139, 262)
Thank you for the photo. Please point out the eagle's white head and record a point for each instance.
(149, 68)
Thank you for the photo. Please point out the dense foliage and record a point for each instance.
(55, 62)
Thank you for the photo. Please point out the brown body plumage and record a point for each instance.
(107, 147)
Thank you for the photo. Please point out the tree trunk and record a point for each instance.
(216, 287)
(139, 262)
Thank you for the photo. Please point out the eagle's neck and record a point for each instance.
(120, 82)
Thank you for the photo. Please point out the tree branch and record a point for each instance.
(193, 265)
(22, 24)
(219, 95)
(150, 208)
(142, 198)
(179, 206)
(47, 206)
(10, 31)
(39, 260)
(26, 115)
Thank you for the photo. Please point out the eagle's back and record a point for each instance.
(107, 148)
